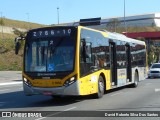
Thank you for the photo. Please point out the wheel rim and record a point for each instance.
(136, 79)
(101, 86)
(136, 82)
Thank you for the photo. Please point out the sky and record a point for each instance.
(46, 12)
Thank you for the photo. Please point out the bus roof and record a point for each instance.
(118, 36)
(122, 37)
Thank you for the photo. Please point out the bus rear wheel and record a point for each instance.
(100, 92)
(136, 79)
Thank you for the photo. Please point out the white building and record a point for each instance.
(150, 19)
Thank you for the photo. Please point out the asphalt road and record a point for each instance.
(146, 97)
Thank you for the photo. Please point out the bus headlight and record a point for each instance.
(27, 82)
(70, 81)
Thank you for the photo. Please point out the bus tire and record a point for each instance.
(100, 92)
(136, 80)
(56, 96)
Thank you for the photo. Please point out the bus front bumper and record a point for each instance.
(72, 89)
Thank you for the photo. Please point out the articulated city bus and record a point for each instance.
(79, 61)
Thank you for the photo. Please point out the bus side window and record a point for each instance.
(86, 51)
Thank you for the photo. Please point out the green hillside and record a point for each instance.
(8, 59)
(20, 24)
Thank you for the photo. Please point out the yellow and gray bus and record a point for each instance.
(77, 60)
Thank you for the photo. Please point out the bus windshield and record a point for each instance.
(54, 54)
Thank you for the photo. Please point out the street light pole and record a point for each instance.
(2, 24)
(125, 16)
(58, 14)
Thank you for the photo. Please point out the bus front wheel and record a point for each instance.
(100, 92)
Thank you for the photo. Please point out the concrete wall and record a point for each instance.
(9, 30)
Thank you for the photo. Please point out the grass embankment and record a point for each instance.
(8, 59)
(21, 24)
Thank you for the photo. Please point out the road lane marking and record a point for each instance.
(157, 89)
(21, 88)
(117, 93)
(70, 109)
(148, 83)
(4, 90)
(10, 83)
(11, 86)
(56, 113)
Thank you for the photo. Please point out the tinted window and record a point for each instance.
(50, 49)
(97, 48)
(50, 55)
(155, 66)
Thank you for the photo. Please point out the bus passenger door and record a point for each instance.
(128, 63)
(113, 64)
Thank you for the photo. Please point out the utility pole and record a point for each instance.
(58, 14)
(2, 24)
(125, 16)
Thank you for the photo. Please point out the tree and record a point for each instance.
(140, 38)
(154, 54)
(157, 53)
(1, 22)
(113, 24)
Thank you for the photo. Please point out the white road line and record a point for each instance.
(11, 86)
(56, 113)
(117, 93)
(10, 83)
(4, 90)
(70, 109)
(157, 89)
(148, 83)
(21, 88)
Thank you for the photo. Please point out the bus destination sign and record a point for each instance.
(51, 33)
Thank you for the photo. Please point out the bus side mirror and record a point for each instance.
(17, 44)
(17, 47)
